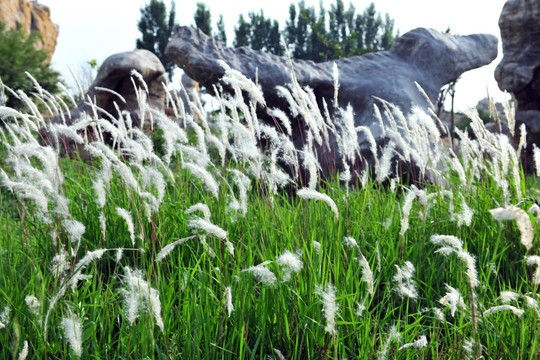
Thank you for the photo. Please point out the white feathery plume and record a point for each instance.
(509, 296)
(170, 247)
(523, 222)
(330, 307)
(536, 157)
(405, 284)
(335, 75)
(139, 288)
(77, 275)
(496, 309)
(73, 333)
(126, 215)
(310, 164)
(393, 334)
(203, 174)
(59, 264)
(103, 224)
(451, 244)
(367, 275)
(317, 246)
(199, 207)
(534, 260)
(383, 170)
(291, 262)
(307, 193)
(75, 230)
(453, 299)
(208, 227)
(262, 273)
(281, 116)
(466, 214)
(279, 354)
(24, 352)
(33, 303)
(418, 344)
(228, 300)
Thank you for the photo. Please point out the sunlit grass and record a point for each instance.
(332, 270)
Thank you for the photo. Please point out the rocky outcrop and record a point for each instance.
(430, 58)
(519, 70)
(32, 17)
(115, 77)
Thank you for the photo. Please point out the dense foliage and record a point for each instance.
(310, 35)
(156, 28)
(19, 57)
(201, 246)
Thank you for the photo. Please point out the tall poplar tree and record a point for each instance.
(156, 28)
(203, 19)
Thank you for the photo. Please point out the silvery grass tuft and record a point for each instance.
(367, 275)
(393, 335)
(451, 244)
(418, 344)
(291, 264)
(523, 222)
(73, 333)
(496, 309)
(453, 299)
(405, 285)
(137, 289)
(170, 247)
(24, 352)
(330, 307)
(307, 193)
(228, 300)
(531, 261)
(262, 273)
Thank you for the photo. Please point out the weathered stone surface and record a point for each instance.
(116, 74)
(430, 58)
(519, 70)
(32, 17)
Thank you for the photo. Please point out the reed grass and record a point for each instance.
(204, 247)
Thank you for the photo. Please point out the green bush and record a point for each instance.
(20, 56)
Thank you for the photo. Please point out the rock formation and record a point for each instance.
(430, 58)
(519, 70)
(32, 17)
(116, 74)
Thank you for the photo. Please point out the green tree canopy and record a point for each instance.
(156, 29)
(19, 55)
(203, 19)
(318, 35)
(221, 34)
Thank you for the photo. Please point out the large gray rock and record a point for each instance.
(430, 58)
(116, 74)
(519, 70)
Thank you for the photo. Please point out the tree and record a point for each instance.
(337, 32)
(242, 32)
(203, 19)
(19, 55)
(156, 28)
(221, 34)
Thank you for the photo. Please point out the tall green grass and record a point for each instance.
(260, 272)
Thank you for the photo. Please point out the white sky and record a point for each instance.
(99, 28)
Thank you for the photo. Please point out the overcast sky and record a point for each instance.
(99, 28)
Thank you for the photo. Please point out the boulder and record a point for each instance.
(428, 57)
(519, 70)
(116, 74)
(32, 17)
